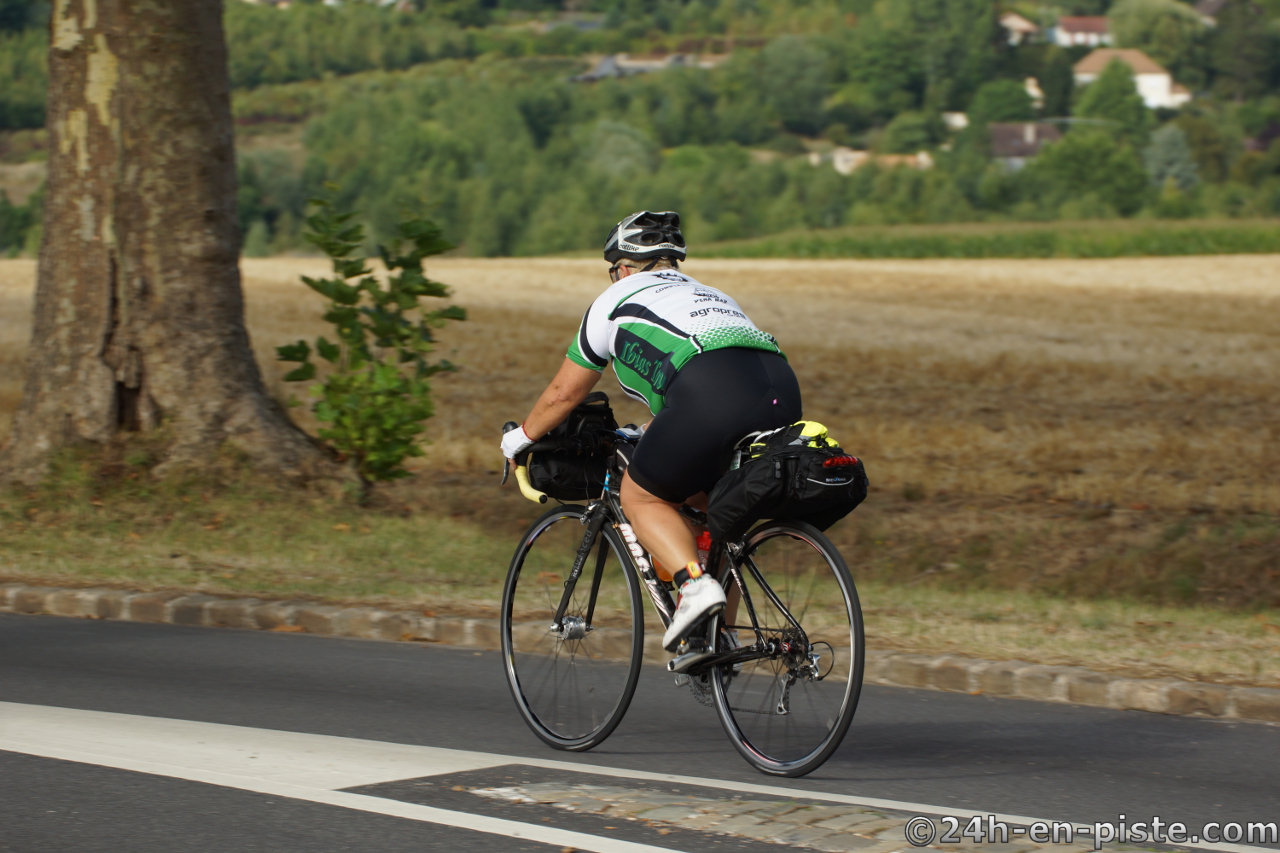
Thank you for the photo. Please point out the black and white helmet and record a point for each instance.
(644, 236)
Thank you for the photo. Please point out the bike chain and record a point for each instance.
(700, 687)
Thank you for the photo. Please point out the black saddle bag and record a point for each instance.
(788, 476)
(570, 462)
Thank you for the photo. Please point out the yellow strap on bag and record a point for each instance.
(815, 434)
(812, 434)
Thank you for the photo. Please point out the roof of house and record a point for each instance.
(1100, 58)
(1083, 23)
(1021, 139)
(1014, 22)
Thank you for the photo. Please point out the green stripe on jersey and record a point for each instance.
(649, 357)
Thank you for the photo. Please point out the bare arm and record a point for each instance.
(571, 385)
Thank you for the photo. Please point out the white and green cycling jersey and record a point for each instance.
(651, 324)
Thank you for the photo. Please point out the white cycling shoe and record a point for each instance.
(699, 598)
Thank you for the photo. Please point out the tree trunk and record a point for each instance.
(139, 315)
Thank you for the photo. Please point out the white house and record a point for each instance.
(847, 160)
(1034, 92)
(1155, 84)
(1019, 29)
(1074, 30)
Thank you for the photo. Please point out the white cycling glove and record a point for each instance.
(515, 441)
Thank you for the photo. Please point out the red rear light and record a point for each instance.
(840, 461)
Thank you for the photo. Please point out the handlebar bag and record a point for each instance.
(570, 462)
(793, 474)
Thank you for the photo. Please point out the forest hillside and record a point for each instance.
(529, 126)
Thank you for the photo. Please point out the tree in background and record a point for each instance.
(1114, 98)
(884, 70)
(139, 315)
(1058, 82)
(16, 15)
(1170, 32)
(15, 221)
(793, 80)
(1168, 159)
(1093, 162)
(1243, 50)
(1001, 100)
(910, 132)
(1207, 146)
(24, 79)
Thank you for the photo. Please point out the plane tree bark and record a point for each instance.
(139, 314)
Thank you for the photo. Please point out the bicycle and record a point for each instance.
(573, 650)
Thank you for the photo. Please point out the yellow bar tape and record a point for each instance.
(522, 480)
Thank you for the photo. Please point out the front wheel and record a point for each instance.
(787, 712)
(572, 684)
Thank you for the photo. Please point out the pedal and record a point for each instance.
(692, 651)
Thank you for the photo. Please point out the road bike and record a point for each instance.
(782, 665)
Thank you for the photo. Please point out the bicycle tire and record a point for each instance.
(571, 692)
(750, 702)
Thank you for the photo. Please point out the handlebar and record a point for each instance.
(522, 472)
(522, 480)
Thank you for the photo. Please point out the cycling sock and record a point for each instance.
(688, 573)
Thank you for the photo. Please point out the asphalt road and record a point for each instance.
(991, 755)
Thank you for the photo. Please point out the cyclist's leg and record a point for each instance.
(658, 525)
(732, 594)
(716, 399)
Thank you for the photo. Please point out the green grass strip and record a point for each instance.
(1110, 239)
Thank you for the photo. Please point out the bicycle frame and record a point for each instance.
(608, 509)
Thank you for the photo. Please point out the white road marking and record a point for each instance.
(284, 764)
(315, 768)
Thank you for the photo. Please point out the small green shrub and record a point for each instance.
(376, 395)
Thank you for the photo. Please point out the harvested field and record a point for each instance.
(1146, 381)
(1070, 429)
(1125, 382)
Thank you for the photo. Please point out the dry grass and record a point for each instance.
(1144, 381)
(1130, 382)
(1034, 429)
(442, 543)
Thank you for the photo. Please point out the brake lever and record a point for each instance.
(506, 463)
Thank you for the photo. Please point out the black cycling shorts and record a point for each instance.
(716, 399)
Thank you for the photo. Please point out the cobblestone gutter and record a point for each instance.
(829, 828)
(958, 674)
(835, 829)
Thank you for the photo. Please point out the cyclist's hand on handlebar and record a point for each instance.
(514, 441)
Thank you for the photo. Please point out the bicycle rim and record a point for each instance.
(782, 717)
(572, 691)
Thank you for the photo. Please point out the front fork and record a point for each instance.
(576, 627)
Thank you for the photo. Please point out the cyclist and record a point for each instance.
(708, 375)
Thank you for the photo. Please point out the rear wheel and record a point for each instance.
(788, 712)
(571, 685)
